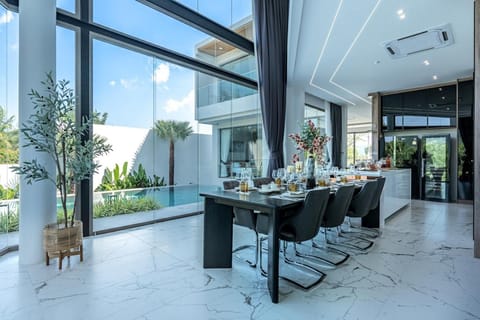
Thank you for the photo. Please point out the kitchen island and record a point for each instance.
(396, 193)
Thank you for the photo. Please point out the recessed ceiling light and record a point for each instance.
(400, 12)
(402, 16)
(426, 62)
(435, 77)
(376, 62)
(220, 48)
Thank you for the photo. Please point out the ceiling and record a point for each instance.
(336, 52)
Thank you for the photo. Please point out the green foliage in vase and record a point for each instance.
(51, 129)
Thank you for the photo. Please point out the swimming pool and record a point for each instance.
(172, 196)
(165, 196)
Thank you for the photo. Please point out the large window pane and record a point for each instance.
(8, 128)
(225, 12)
(139, 20)
(67, 5)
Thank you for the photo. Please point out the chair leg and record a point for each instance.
(363, 232)
(263, 272)
(327, 249)
(243, 247)
(350, 245)
(320, 274)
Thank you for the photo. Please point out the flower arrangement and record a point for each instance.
(311, 142)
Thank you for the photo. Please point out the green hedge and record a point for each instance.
(100, 210)
(124, 206)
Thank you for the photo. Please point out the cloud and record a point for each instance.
(112, 83)
(176, 105)
(161, 73)
(128, 83)
(7, 17)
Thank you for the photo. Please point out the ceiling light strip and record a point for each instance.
(348, 52)
(333, 94)
(332, 24)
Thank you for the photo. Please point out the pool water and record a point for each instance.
(165, 196)
(173, 196)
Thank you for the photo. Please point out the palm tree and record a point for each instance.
(172, 130)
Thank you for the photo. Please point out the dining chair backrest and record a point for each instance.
(305, 223)
(337, 207)
(230, 184)
(376, 197)
(361, 202)
(258, 182)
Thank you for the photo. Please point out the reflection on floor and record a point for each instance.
(421, 268)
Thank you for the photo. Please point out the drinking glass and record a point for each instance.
(274, 174)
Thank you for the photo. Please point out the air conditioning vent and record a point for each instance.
(433, 38)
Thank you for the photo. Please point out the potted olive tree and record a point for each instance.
(52, 129)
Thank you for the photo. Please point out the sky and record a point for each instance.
(134, 89)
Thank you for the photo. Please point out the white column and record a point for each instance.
(294, 116)
(37, 57)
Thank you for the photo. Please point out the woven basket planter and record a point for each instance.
(60, 242)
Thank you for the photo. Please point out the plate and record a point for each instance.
(296, 194)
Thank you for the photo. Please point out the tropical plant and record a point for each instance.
(7, 193)
(117, 179)
(8, 138)
(99, 117)
(171, 131)
(51, 129)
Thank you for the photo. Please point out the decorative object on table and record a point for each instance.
(51, 129)
(311, 142)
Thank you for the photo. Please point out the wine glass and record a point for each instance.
(274, 174)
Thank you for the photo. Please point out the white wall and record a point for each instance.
(7, 177)
(137, 145)
(296, 99)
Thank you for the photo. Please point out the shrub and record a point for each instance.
(9, 223)
(124, 206)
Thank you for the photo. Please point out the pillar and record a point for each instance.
(37, 41)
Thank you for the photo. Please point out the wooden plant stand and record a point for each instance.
(60, 242)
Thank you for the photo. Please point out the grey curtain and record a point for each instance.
(271, 30)
(336, 121)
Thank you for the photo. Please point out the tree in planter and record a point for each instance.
(52, 129)
(172, 131)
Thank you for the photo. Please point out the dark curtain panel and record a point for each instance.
(336, 120)
(271, 26)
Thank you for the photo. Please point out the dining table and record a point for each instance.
(218, 227)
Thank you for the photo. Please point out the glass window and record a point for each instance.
(138, 96)
(138, 20)
(240, 147)
(8, 128)
(67, 5)
(317, 115)
(359, 147)
(225, 12)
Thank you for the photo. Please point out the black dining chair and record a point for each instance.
(333, 218)
(300, 225)
(258, 182)
(244, 218)
(359, 208)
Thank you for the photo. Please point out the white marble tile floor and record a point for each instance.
(422, 267)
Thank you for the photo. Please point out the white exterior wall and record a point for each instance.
(138, 145)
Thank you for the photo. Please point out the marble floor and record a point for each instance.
(420, 268)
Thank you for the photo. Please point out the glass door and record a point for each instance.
(435, 168)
